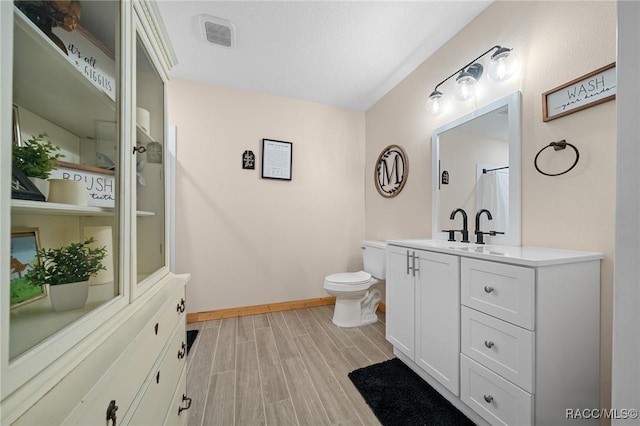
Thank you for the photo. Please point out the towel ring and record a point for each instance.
(557, 146)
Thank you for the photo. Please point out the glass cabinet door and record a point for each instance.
(150, 166)
(66, 67)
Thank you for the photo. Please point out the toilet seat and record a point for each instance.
(349, 281)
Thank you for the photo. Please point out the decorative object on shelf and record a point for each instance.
(49, 14)
(98, 185)
(22, 188)
(143, 120)
(64, 191)
(502, 65)
(36, 157)
(91, 58)
(248, 160)
(24, 245)
(391, 171)
(154, 153)
(66, 270)
(102, 236)
(277, 158)
(586, 91)
(16, 135)
(557, 146)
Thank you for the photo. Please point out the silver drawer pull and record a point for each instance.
(488, 289)
(488, 398)
(489, 343)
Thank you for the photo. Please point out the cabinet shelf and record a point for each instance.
(45, 208)
(47, 84)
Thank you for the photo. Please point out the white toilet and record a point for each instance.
(356, 293)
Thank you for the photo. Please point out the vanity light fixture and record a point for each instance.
(502, 65)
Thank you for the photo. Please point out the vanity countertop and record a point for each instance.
(526, 256)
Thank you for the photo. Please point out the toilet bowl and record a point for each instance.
(357, 293)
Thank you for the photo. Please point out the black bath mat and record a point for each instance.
(191, 337)
(398, 396)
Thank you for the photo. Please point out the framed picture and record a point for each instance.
(276, 159)
(16, 136)
(22, 188)
(586, 91)
(24, 244)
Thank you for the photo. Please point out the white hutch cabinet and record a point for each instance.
(98, 91)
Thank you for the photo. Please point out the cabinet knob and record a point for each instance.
(488, 289)
(139, 149)
(186, 402)
(489, 343)
(111, 412)
(488, 398)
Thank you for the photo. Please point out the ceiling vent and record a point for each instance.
(217, 31)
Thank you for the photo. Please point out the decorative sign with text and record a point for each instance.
(583, 92)
(101, 185)
(90, 58)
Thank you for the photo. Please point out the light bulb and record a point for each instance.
(466, 86)
(434, 103)
(503, 65)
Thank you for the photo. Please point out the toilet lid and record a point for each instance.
(349, 277)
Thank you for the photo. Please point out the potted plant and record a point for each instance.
(36, 159)
(66, 270)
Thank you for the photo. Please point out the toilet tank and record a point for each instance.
(374, 257)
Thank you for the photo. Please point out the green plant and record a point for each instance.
(73, 263)
(37, 157)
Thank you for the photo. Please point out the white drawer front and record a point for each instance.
(504, 291)
(178, 414)
(502, 347)
(123, 379)
(156, 398)
(495, 399)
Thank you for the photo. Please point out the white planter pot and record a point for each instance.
(65, 297)
(42, 185)
(67, 192)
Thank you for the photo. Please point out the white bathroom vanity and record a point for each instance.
(510, 335)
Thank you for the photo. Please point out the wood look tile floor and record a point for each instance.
(282, 368)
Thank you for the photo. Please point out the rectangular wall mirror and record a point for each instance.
(476, 165)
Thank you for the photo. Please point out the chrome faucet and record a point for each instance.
(479, 233)
(465, 229)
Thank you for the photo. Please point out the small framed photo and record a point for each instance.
(22, 188)
(277, 157)
(24, 244)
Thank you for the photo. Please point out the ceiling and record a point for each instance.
(341, 53)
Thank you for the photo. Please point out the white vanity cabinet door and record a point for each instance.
(437, 300)
(400, 314)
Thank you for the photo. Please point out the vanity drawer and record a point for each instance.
(503, 291)
(494, 398)
(502, 347)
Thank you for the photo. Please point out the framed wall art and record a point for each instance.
(24, 244)
(277, 157)
(586, 91)
(391, 171)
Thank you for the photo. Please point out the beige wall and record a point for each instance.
(247, 240)
(556, 42)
